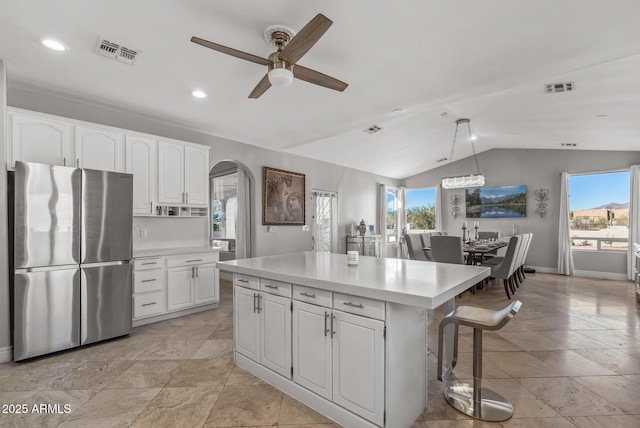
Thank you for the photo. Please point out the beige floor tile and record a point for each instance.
(147, 374)
(193, 332)
(556, 422)
(178, 407)
(519, 364)
(491, 342)
(623, 391)
(616, 360)
(91, 375)
(525, 403)
(171, 350)
(626, 421)
(464, 368)
(246, 406)
(242, 377)
(36, 375)
(162, 329)
(214, 373)
(111, 408)
(570, 363)
(531, 341)
(437, 406)
(223, 331)
(613, 339)
(216, 348)
(574, 339)
(293, 412)
(469, 423)
(569, 398)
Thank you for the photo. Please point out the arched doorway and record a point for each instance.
(230, 186)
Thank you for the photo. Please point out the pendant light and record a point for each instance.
(463, 181)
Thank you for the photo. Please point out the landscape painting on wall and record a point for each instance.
(497, 202)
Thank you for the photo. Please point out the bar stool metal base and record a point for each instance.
(493, 407)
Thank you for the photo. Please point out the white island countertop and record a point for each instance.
(408, 282)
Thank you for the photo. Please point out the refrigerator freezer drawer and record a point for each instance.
(105, 309)
(46, 312)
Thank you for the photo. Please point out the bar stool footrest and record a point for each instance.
(493, 407)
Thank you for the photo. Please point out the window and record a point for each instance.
(224, 206)
(394, 207)
(599, 211)
(421, 209)
(325, 221)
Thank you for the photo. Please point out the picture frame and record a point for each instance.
(496, 202)
(283, 197)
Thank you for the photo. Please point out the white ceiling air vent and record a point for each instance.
(118, 52)
(373, 129)
(568, 144)
(551, 88)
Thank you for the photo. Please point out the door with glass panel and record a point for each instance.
(324, 221)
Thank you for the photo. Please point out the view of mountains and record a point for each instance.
(612, 206)
(494, 199)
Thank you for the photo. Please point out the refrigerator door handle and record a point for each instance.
(44, 269)
(103, 264)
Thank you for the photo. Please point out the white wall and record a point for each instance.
(357, 190)
(5, 340)
(537, 169)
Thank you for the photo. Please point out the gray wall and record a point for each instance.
(4, 263)
(357, 190)
(537, 169)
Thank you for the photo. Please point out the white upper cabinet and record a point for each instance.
(141, 161)
(183, 174)
(40, 139)
(99, 148)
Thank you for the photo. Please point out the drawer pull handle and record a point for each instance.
(149, 280)
(149, 304)
(242, 280)
(304, 293)
(354, 305)
(149, 263)
(196, 260)
(275, 287)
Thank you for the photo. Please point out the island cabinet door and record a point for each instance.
(246, 324)
(358, 365)
(312, 348)
(275, 338)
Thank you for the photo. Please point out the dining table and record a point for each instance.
(481, 249)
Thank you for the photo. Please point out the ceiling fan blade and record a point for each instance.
(230, 51)
(261, 87)
(305, 39)
(317, 78)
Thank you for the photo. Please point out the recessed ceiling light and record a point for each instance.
(474, 137)
(53, 44)
(397, 111)
(198, 93)
(601, 115)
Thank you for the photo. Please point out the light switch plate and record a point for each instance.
(272, 229)
(305, 227)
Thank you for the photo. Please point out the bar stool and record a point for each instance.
(475, 401)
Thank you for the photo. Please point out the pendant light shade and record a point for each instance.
(463, 181)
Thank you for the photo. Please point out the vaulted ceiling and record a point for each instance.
(437, 61)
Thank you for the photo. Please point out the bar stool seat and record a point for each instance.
(475, 401)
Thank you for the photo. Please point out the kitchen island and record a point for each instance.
(348, 341)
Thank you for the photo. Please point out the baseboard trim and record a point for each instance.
(586, 273)
(6, 354)
(171, 315)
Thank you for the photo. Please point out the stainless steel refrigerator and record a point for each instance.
(72, 257)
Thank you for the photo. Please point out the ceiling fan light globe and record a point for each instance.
(280, 77)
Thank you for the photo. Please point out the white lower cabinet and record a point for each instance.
(340, 357)
(180, 287)
(192, 280)
(148, 287)
(262, 326)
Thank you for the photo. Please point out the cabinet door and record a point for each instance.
(35, 139)
(170, 173)
(141, 160)
(275, 337)
(196, 168)
(246, 323)
(206, 286)
(358, 365)
(98, 148)
(179, 287)
(311, 344)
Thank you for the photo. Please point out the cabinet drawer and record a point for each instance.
(192, 259)
(148, 280)
(312, 295)
(359, 305)
(275, 287)
(148, 304)
(246, 281)
(148, 263)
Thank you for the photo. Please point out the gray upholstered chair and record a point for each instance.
(447, 249)
(506, 268)
(426, 243)
(414, 247)
(474, 400)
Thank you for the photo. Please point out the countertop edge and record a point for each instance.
(157, 252)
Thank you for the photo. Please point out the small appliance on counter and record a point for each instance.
(72, 251)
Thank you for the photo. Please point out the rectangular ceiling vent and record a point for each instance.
(568, 144)
(373, 129)
(116, 51)
(551, 88)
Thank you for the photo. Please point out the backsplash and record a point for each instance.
(169, 232)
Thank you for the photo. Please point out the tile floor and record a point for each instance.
(570, 358)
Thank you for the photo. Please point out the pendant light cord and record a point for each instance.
(473, 147)
(453, 145)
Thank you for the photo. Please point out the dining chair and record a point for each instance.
(447, 249)
(414, 247)
(506, 268)
(426, 243)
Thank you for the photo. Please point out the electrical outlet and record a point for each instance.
(272, 229)
(143, 232)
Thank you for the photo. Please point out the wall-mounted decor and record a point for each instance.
(496, 202)
(456, 200)
(542, 196)
(282, 197)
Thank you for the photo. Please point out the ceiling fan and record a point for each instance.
(281, 64)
